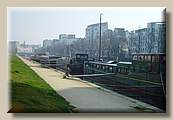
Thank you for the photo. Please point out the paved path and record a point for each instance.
(87, 97)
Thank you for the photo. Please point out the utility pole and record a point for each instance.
(100, 39)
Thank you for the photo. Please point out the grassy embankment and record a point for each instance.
(30, 93)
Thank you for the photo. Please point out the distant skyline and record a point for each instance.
(34, 24)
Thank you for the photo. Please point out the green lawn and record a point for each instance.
(29, 93)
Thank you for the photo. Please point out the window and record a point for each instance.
(153, 59)
(149, 58)
(110, 68)
(140, 58)
(164, 58)
(78, 56)
(134, 57)
(157, 58)
(103, 67)
(97, 66)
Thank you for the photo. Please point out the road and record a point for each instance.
(87, 97)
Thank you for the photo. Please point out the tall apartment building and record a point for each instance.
(47, 43)
(107, 44)
(148, 40)
(132, 42)
(13, 45)
(67, 39)
(141, 39)
(157, 37)
(66, 36)
(121, 43)
(119, 33)
(92, 35)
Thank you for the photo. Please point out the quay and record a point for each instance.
(88, 97)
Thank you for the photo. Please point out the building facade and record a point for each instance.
(141, 39)
(148, 40)
(121, 44)
(157, 37)
(13, 47)
(92, 35)
(47, 43)
(67, 39)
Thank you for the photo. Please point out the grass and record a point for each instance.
(30, 93)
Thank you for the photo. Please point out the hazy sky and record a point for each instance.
(34, 24)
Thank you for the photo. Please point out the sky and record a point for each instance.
(34, 24)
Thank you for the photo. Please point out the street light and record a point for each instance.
(100, 39)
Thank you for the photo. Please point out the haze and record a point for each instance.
(34, 24)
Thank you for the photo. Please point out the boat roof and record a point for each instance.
(129, 63)
(148, 53)
(104, 63)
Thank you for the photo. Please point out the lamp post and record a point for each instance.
(100, 39)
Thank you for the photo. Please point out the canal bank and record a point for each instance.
(87, 97)
(29, 93)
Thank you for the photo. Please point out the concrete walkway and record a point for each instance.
(87, 97)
